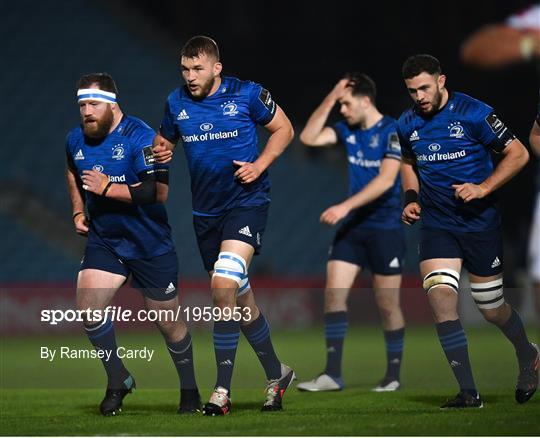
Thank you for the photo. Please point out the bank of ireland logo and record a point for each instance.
(434, 147)
(206, 127)
(118, 152)
(98, 168)
(229, 108)
(456, 130)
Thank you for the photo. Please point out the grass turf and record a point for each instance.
(61, 397)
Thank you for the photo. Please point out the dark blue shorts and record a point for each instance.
(156, 278)
(382, 251)
(481, 252)
(246, 224)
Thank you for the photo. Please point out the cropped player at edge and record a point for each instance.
(371, 235)
(449, 182)
(112, 173)
(216, 119)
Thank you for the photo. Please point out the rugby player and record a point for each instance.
(216, 119)
(450, 182)
(370, 235)
(117, 193)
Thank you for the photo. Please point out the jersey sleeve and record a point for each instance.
(262, 107)
(490, 130)
(69, 154)
(405, 145)
(340, 128)
(393, 148)
(168, 128)
(144, 163)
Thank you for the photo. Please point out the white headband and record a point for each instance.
(95, 94)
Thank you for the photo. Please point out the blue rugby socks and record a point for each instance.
(394, 340)
(182, 355)
(454, 344)
(335, 329)
(226, 335)
(515, 332)
(258, 336)
(102, 337)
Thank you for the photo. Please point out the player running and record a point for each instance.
(371, 233)
(111, 173)
(216, 118)
(450, 182)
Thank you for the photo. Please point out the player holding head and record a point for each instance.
(117, 193)
(371, 235)
(216, 118)
(450, 182)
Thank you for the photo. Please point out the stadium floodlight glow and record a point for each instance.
(95, 94)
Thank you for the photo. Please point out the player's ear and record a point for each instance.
(217, 68)
(441, 81)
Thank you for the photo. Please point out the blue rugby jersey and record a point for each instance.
(215, 131)
(366, 148)
(453, 147)
(125, 155)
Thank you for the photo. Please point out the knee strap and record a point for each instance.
(488, 295)
(441, 277)
(232, 266)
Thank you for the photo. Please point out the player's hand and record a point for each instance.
(469, 191)
(411, 213)
(339, 89)
(94, 181)
(81, 224)
(161, 153)
(247, 172)
(332, 215)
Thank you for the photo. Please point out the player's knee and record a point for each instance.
(230, 271)
(387, 307)
(167, 327)
(230, 266)
(494, 316)
(489, 297)
(335, 299)
(441, 278)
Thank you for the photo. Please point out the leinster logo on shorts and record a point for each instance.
(229, 108)
(118, 152)
(98, 168)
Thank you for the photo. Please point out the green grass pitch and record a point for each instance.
(61, 398)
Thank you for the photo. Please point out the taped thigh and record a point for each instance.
(488, 295)
(441, 277)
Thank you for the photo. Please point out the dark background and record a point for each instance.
(298, 50)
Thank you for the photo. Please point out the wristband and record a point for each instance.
(410, 196)
(106, 189)
(77, 214)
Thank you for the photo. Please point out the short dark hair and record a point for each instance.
(362, 85)
(198, 45)
(422, 63)
(103, 80)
